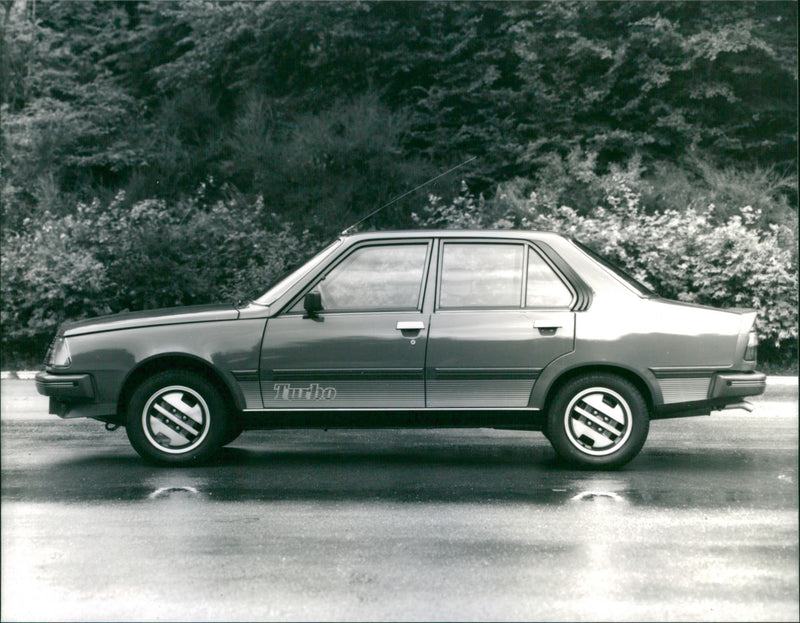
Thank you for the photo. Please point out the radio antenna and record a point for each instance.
(405, 194)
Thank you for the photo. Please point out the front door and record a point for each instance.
(502, 314)
(365, 348)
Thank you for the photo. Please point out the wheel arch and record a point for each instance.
(626, 373)
(177, 361)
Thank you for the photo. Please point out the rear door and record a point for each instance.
(502, 313)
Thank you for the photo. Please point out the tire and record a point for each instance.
(598, 420)
(177, 417)
(232, 434)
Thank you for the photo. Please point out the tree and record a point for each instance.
(661, 79)
(64, 115)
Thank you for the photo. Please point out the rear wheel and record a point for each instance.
(598, 420)
(177, 418)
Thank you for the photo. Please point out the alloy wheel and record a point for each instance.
(176, 419)
(598, 421)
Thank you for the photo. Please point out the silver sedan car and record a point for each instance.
(502, 329)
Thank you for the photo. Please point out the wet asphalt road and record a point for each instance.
(401, 524)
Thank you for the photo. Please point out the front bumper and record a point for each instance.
(730, 386)
(69, 387)
(72, 396)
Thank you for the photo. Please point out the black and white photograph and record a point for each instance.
(372, 310)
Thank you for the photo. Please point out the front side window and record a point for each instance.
(478, 275)
(282, 286)
(385, 277)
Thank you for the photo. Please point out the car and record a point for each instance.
(495, 329)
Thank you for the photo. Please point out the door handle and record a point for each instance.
(546, 324)
(410, 325)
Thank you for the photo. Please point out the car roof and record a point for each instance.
(454, 233)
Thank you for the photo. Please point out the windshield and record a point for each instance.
(616, 271)
(281, 287)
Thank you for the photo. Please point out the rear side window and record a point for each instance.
(545, 289)
(615, 270)
(481, 275)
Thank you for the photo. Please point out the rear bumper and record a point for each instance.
(725, 390)
(731, 386)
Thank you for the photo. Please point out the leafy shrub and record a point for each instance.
(465, 211)
(109, 258)
(46, 278)
(322, 169)
(697, 183)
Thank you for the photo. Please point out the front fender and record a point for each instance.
(226, 347)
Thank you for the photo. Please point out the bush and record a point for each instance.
(465, 211)
(698, 183)
(46, 278)
(323, 169)
(115, 257)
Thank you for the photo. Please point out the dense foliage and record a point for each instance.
(156, 153)
(113, 257)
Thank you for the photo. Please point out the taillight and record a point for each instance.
(751, 352)
(48, 356)
(58, 354)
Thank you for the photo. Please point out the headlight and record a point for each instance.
(58, 353)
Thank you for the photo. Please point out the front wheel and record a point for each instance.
(232, 433)
(176, 418)
(598, 420)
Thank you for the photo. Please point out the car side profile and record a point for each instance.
(505, 329)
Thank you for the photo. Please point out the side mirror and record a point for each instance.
(312, 302)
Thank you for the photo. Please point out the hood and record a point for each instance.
(150, 318)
